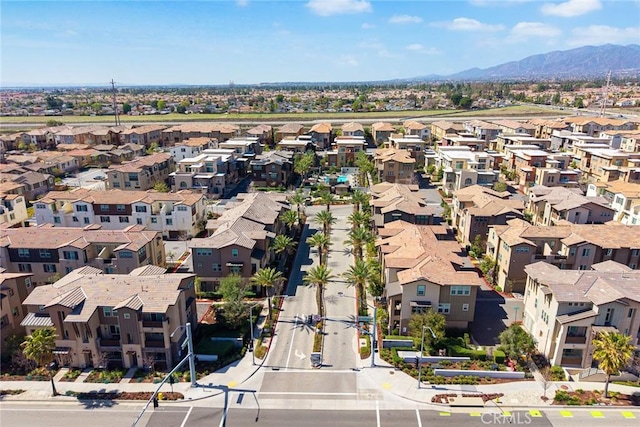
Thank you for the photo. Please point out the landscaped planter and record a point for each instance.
(410, 357)
(490, 374)
(396, 343)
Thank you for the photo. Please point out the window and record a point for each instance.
(24, 268)
(141, 209)
(23, 253)
(630, 312)
(154, 220)
(75, 219)
(107, 311)
(216, 267)
(522, 250)
(81, 208)
(183, 208)
(116, 184)
(69, 254)
(27, 282)
(444, 308)
(127, 315)
(204, 252)
(421, 290)
(139, 221)
(586, 251)
(120, 208)
(41, 206)
(49, 268)
(635, 252)
(169, 221)
(56, 220)
(461, 290)
(104, 208)
(68, 270)
(465, 307)
(572, 252)
(105, 219)
(87, 220)
(582, 267)
(126, 254)
(124, 219)
(45, 253)
(114, 329)
(234, 253)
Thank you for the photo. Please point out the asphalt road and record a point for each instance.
(63, 415)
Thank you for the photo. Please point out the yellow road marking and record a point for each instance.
(566, 414)
(445, 414)
(232, 384)
(506, 413)
(597, 414)
(628, 414)
(386, 386)
(475, 414)
(535, 413)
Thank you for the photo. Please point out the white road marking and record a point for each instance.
(377, 413)
(186, 417)
(417, 416)
(224, 413)
(314, 393)
(300, 355)
(295, 326)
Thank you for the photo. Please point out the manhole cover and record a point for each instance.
(335, 333)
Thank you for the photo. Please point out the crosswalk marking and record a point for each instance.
(535, 413)
(506, 413)
(232, 384)
(445, 414)
(597, 414)
(566, 414)
(475, 414)
(628, 415)
(386, 386)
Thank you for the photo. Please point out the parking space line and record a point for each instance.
(628, 415)
(597, 414)
(566, 414)
(535, 413)
(418, 417)
(186, 417)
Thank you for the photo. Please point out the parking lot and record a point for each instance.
(92, 179)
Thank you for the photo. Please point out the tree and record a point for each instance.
(319, 276)
(613, 351)
(321, 242)
(267, 278)
(455, 98)
(53, 123)
(162, 105)
(290, 218)
(358, 274)
(161, 187)
(358, 237)
(327, 198)
(499, 186)
(39, 347)
(326, 219)
(358, 198)
(465, 102)
(359, 219)
(297, 199)
(546, 379)
(578, 102)
(430, 319)
(126, 108)
(152, 148)
(283, 244)
(516, 341)
(233, 290)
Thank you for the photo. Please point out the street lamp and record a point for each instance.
(373, 339)
(253, 355)
(192, 357)
(433, 334)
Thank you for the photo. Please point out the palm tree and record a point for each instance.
(358, 274)
(327, 198)
(39, 347)
(319, 276)
(283, 244)
(358, 237)
(358, 198)
(298, 199)
(268, 278)
(290, 218)
(359, 219)
(327, 219)
(613, 351)
(321, 242)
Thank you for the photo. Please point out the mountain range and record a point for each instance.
(581, 62)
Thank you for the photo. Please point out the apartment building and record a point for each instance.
(272, 169)
(414, 145)
(526, 162)
(218, 131)
(293, 130)
(482, 130)
(345, 149)
(191, 147)
(392, 202)
(29, 184)
(321, 135)
(421, 130)
(519, 139)
(623, 197)
(141, 174)
(515, 127)
(476, 208)
(559, 205)
(14, 288)
(605, 164)
(423, 270)
(210, 173)
(352, 129)
(116, 320)
(463, 167)
(630, 143)
(394, 165)
(49, 252)
(464, 140)
(239, 240)
(545, 127)
(179, 215)
(592, 126)
(263, 132)
(13, 210)
(565, 140)
(381, 132)
(143, 135)
(442, 128)
(570, 247)
(564, 310)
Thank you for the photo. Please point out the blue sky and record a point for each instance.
(253, 41)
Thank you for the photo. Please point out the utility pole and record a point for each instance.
(603, 106)
(115, 103)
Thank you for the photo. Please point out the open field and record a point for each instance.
(274, 117)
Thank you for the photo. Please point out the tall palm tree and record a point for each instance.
(359, 219)
(321, 242)
(319, 276)
(358, 198)
(39, 347)
(297, 199)
(327, 198)
(268, 278)
(358, 274)
(613, 351)
(327, 219)
(290, 218)
(358, 238)
(283, 244)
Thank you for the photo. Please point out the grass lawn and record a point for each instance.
(221, 348)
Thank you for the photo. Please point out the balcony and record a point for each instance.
(571, 361)
(154, 344)
(152, 323)
(109, 343)
(575, 340)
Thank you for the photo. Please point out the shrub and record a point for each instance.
(260, 351)
(557, 374)
(499, 356)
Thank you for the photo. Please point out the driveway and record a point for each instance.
(88, 179)
(494, 314)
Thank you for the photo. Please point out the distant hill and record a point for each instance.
(582, 62)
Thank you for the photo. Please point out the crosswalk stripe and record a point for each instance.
(535, 413)
(506, 413)
(475, 414)
(232, 384)
(445, 414)
(628, 415)
(566, 414)
(386, 386)
(597, 414)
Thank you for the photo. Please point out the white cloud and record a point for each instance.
(525, 30)
(367, 26)
(467, 24)
(417, 47)
(602, 34)
(497, 2)
(571, 8)
(242, 3)
(347, 60)
(339, 7)
(405, 19)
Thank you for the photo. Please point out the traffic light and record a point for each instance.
(172, 379)
(155, 402)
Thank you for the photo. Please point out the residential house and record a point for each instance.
(525, 163)
(623, 197)
(240, 239)
(352, 129)
(14, 288)
(297, 145)
(414, 145)
(559, 205)
(35, 184)
(345, 150)
(210, 173)
(321, 135)
(476, 208)
(381, 132)
(263, 132)
(520, 139)
(464, 140)
(565, 310)
(143, 135)
(116, 320)
(217, 131)
(13, 210)
(630, 143)
(392, 202)
(442, 128)
(179, 215)
(191, 147)
(423, 269)
(394, 165)
(482, 130)
(289, 130)
(546, 127)
(272, 169)
(422, 130)
(515, 127)
(141, 174)
(592, 126)
(570, 247)
(605, 164)
(565, 140)
(49, 252)
(463, 167)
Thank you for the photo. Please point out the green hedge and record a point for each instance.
(459, 351)
(499, 356)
